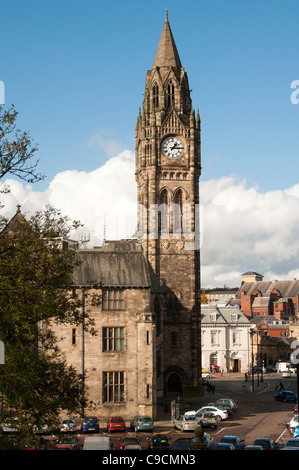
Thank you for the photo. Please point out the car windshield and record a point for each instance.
(67, 421)
(144, 418)
(190, 418)
(293, 443)
(117, 420)
(91, 420)
(159, 439)
(231, 440)
(130, 440)
(66, 440)
(262, 442)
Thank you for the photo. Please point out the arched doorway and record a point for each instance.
(174, 383)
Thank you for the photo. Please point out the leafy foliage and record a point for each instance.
(35, 287)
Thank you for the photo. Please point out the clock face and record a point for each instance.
(172, 147)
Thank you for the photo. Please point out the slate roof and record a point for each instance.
(288, 288)
(116, 264)
(224, 315)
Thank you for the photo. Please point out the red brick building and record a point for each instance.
(263, 298)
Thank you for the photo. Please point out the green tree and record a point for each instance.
(35, 292)
(17, 149)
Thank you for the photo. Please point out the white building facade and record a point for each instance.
(225, 338)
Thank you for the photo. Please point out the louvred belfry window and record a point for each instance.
(170, 94)
(155, 95)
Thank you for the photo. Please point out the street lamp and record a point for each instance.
(252, 360)
(252, 332)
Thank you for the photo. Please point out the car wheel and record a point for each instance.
(218, 418)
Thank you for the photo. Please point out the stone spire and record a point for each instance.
(167, 54)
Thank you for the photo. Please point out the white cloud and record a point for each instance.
(242, 228)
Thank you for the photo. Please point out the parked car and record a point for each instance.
(187, 422)
(133, 447)
(90, 424)
(67, 443)
(182, 443)
(44, 429)
(286, 396)
(116, 423)
(39, 443)
(206, 375)
(252, 447)
(11, 425)
(207, 419)
(207, 438)
(223, 406)
(293, 423)
(128, 441)
(270, 369)
(223, 446)
(286, 373)
(220, 414)
(142, 423)
(97, 443)
(266, 443)
(68, 425)
(159, 441)
(227, 401)
(236, 441)
(292, 444)
(296, 431)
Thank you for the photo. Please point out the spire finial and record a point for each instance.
(166, 15)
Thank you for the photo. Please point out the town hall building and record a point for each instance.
(147, 346)
(147, 349)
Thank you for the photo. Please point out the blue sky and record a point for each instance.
(75, 70)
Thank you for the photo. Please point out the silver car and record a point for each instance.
(293, 423)
(68, 425)
(187, 422)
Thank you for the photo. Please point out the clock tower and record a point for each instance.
(168, 166)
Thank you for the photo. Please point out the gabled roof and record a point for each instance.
(224, 315)
(286, 288)
(15, 222)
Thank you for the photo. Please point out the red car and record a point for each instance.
(116, 423)
(68, 443)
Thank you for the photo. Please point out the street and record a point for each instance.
(258, 414)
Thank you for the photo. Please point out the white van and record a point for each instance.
(97, 443)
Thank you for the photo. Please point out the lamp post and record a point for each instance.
(252, 360)
(83, 351)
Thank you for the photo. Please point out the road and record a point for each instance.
(258, 414)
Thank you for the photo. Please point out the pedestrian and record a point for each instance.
(222, 370)
(213, 388)
(246, 377)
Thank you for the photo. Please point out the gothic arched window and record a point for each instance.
(163, 214)
(155, 95)
(178, 212)
(170, 94)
